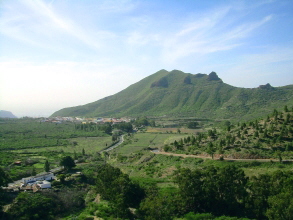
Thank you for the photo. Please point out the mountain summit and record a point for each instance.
(176, 93)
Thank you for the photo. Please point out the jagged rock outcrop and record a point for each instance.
(213, 76)
(266, 86)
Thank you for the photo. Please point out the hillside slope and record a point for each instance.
(176, 93)
(6, 114)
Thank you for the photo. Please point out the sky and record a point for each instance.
(64, 53)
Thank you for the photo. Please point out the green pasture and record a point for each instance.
(173, 130)
(89, 144)
(141, 141)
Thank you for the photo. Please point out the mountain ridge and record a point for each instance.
(6, 114)
(176, 93)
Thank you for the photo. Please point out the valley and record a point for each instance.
(149, 154)
(146, 110)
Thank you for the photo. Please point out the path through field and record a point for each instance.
(216, 158)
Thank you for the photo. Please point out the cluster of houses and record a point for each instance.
(59, 120)
(33, 183)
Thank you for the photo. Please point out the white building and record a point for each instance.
(39, 177)
(44, 184)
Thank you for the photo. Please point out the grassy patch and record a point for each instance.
(89, 144)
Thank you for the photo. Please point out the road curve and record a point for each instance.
(115, 145)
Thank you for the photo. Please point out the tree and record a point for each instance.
(256, 134)
(114, 137)
(193, 140)
(124, 126)
(176, 144)
(75, 156)
(227, 190)
(278, 153)
(281, 206)
(30, 206)
(33, 172)
(106, 156)
(289, 147)
(192, 124)
(62, 177)
(211, 150)
(159, 206)
(141, 121)
(67, 162)
(4, 180)
(228, 125)
(191, 192)
(286, 108)
(263, 188)
(153, 123)
(265, 133)
(47, 166)
(119, 190)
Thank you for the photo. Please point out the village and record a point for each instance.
(98, 120)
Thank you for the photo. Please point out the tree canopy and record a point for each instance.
(67, 162)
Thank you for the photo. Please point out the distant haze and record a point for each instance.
(6, 114)
(57, 54)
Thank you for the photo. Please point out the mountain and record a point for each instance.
(6, 114)
(176, 93)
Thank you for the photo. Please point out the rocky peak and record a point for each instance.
(266, 86)
(213, 76)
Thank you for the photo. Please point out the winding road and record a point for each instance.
(115, 145)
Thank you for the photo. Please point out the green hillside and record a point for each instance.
(176, 93)
(266, 138)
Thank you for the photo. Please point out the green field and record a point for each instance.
(140, 141)
(186, 150)
(89, 144)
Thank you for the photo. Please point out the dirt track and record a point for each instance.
(215, 158)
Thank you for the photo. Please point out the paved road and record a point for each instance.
(115, 145)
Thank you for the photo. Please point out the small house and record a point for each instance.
(44, 184)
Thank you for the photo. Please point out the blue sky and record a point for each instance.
(63, 53)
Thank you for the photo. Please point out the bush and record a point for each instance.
(199, 216)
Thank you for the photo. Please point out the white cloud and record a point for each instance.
(245, 29)
(39, 25)
(208, 35)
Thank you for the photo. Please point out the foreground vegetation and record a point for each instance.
(204, 169)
